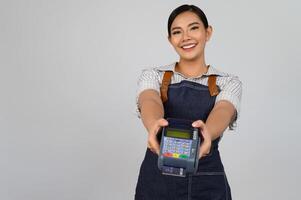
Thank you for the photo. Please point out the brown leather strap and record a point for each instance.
(213, 89)
(164, 86)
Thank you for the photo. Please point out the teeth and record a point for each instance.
(188, 46)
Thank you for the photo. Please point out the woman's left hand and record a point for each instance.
(206, 144)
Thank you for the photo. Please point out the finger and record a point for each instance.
(162, 122)
(158, 125)
(198, 124)
(206, 143)
(204, 149)
(154, 144)
(202, 126)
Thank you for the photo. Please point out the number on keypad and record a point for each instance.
(176, 148)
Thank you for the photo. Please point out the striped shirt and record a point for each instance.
(230, 85)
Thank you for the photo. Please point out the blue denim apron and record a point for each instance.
(186, 100)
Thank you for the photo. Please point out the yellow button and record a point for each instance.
(175, 155)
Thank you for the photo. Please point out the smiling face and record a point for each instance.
(189, 36)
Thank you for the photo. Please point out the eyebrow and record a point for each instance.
(193, 23)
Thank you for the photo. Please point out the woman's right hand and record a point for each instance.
(152, 142)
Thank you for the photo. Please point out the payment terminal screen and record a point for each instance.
(178, 134)
(177, 144)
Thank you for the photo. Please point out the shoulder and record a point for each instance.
(225, 78)
(149, 74)
(155, 73)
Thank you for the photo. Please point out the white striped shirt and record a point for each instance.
(230, 85)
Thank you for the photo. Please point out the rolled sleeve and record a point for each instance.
(148, 79)
(232, 92)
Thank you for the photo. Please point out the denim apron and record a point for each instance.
(186, 100)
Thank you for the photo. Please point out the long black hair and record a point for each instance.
(184, 8)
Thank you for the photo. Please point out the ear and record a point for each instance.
(209, 31)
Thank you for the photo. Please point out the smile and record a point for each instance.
(188, 46)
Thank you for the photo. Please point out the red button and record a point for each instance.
(167, 154)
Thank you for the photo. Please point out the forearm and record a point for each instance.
(151, 111)
(219, 119)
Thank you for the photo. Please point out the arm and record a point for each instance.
(151, 107)
(219, 118)
(152, 113)
(223, 114)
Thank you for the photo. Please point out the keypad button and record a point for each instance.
(167, 154)
(175, 155)
(183, 156)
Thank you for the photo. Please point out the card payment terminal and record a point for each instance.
(179, 148)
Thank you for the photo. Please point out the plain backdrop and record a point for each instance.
(68, 78)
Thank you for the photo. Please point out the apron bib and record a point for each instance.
(193, 101)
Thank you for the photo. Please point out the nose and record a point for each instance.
(186, 36)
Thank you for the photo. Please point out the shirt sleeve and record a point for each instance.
(148, 79)
(231, 91)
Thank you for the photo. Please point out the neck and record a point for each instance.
(192, 68)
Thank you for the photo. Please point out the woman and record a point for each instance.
(196, 91)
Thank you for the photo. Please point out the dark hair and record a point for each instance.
(184, 8)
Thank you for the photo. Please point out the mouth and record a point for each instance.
(188, 47)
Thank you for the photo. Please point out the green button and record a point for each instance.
(183, 156)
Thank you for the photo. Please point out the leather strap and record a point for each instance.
(165, 83)
(213, 89)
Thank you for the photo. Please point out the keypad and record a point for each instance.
(176, 148)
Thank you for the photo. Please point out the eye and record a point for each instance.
(176, 32)
(195, 27)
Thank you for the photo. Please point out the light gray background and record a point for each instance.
(68, 73)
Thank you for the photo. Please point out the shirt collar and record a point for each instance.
(211, 70)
